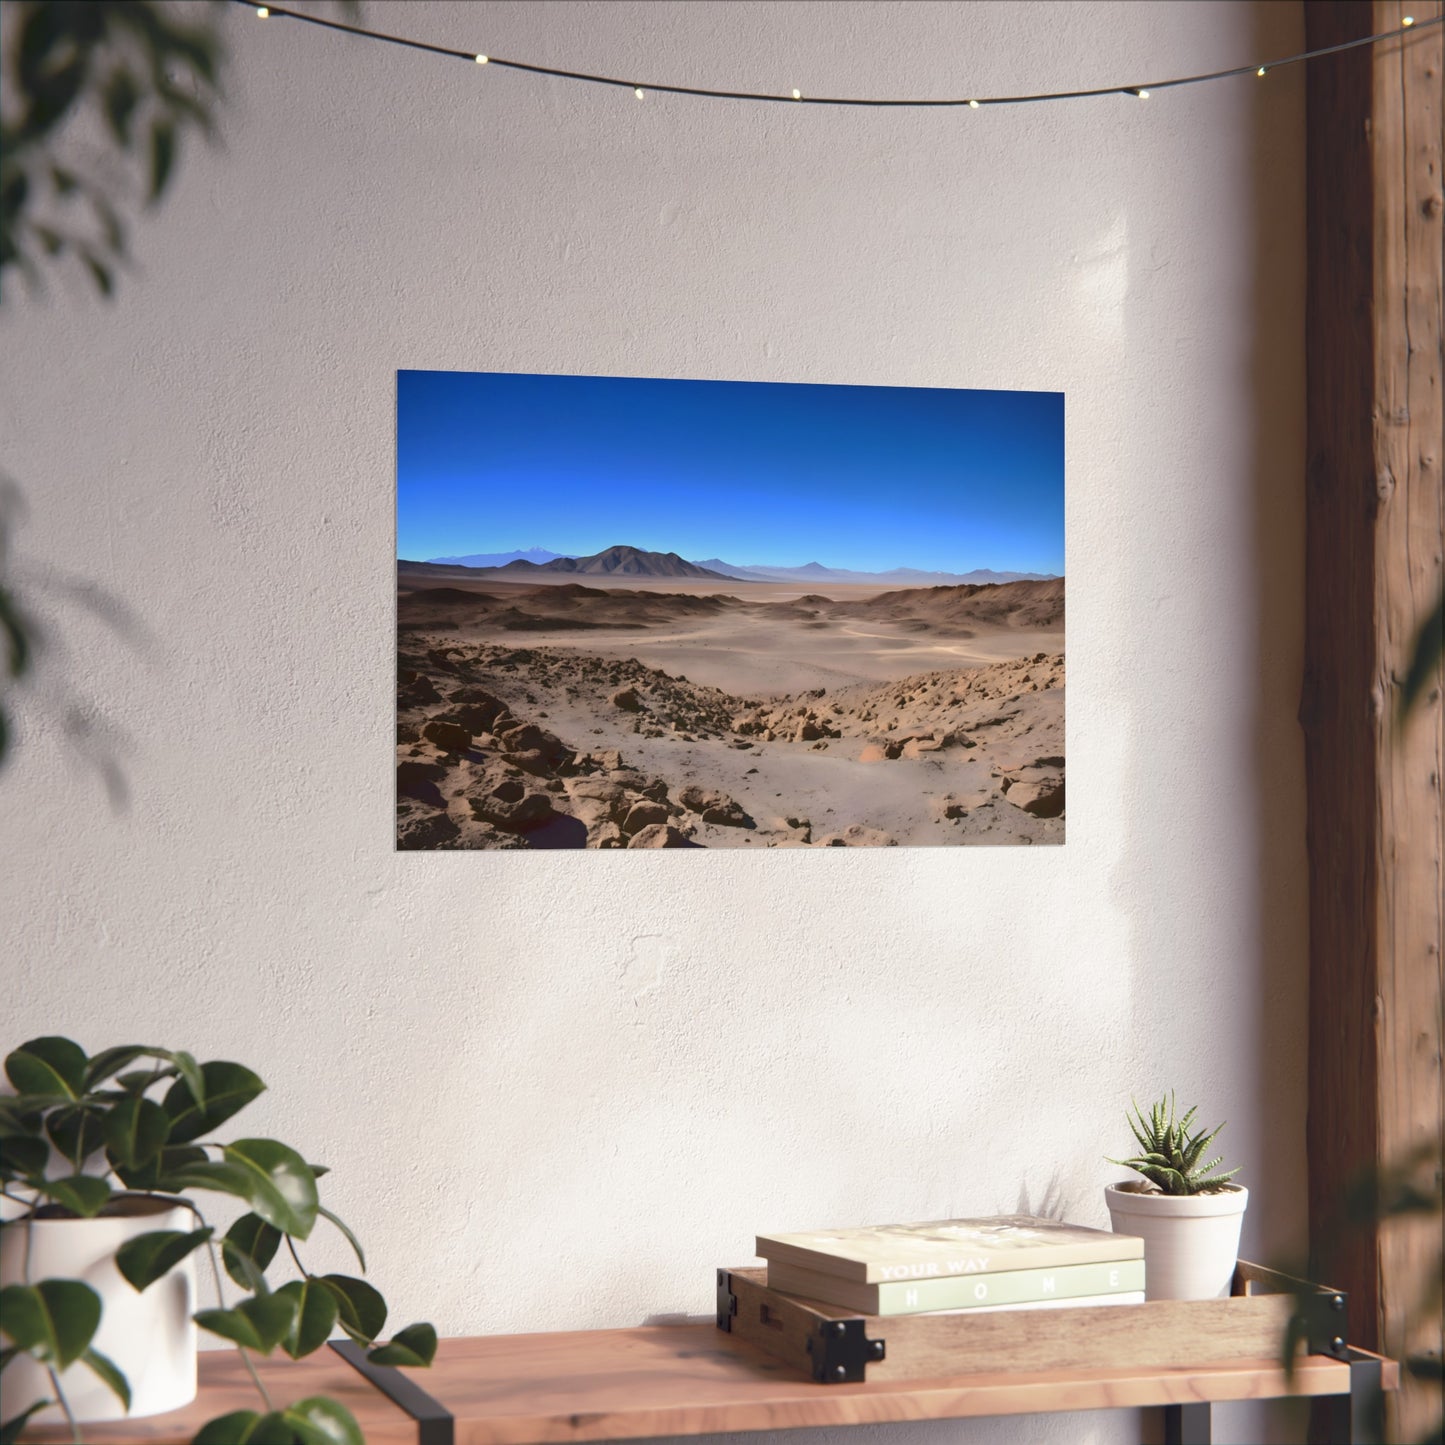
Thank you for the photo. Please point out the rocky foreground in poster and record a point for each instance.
(650, 702)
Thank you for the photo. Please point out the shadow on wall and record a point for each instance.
(1261, 1065)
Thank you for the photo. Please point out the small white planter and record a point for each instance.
(1191, 1241)
(150, 1336)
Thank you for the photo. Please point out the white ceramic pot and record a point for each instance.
(1191, 1241)
(150, 1336)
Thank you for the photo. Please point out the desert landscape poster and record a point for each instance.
(639, 613)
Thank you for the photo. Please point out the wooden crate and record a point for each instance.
(836, 1345)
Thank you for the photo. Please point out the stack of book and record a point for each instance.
(1007, 1262)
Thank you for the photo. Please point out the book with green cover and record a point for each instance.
(885, 1252)
(961, 1292)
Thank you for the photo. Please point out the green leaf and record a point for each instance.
(244, 1270)
(23, 1116)
(316, 1311)
(206, 1174)
(351, 1239)
(54, 1320)
(415, 1345)
(136, 1130)
(11, 1430)
(155, 1174)
(361, 1309)
(106, 1369)
(227, 1089)
(259, 1323)
(111, 1061)
(233, 1429)
(83, 1194)
(149, 1257)
(194, 1075)
(137, 1081)
(248, 1248)
(245, 1427)
(76, 1130)
(49, 1065)
(282, 1186)
(319, 1421)
(21, 1157)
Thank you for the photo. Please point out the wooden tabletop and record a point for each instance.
(687, 1380)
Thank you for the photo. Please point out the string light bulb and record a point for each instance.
(1262, 72)
(482, 59)
(637, 91)
(797, 95)
(1142, 94)
(973, 105)
(262, 12)
(1407, 22)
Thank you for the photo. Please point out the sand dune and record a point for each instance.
(1038, 605)
(665, 713)
(775, 637)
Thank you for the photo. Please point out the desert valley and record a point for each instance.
(634, 699)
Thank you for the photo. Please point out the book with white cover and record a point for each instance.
(1129, 1297)
(941, 1247)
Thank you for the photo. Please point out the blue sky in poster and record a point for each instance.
(777, 474)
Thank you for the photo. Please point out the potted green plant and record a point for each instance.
(101, 1160)
(1186, 1211)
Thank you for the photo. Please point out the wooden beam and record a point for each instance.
(1374, 546)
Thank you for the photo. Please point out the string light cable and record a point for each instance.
(642, 88)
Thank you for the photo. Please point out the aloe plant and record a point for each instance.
(1171, 1155)
(81, 1131)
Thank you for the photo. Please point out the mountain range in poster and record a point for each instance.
(636, 694)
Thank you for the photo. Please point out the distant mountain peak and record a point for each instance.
(621, 560)
(818, 571)
(536, 555)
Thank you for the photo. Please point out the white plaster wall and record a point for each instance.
(557, 1090)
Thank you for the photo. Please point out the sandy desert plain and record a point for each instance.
(543, 709)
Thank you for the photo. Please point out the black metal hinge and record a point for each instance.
(727, 1301)
(841, 1352)
(1327, 1324)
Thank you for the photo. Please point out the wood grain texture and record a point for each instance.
(1409, 542)
(695, 1379)
(225, 1386)
(691, 1380)
(1342, 1125)
(1156, 1335)
(1373, 568)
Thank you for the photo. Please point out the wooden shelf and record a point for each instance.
(689, 1380)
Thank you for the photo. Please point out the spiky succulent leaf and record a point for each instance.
(1170, 1150)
